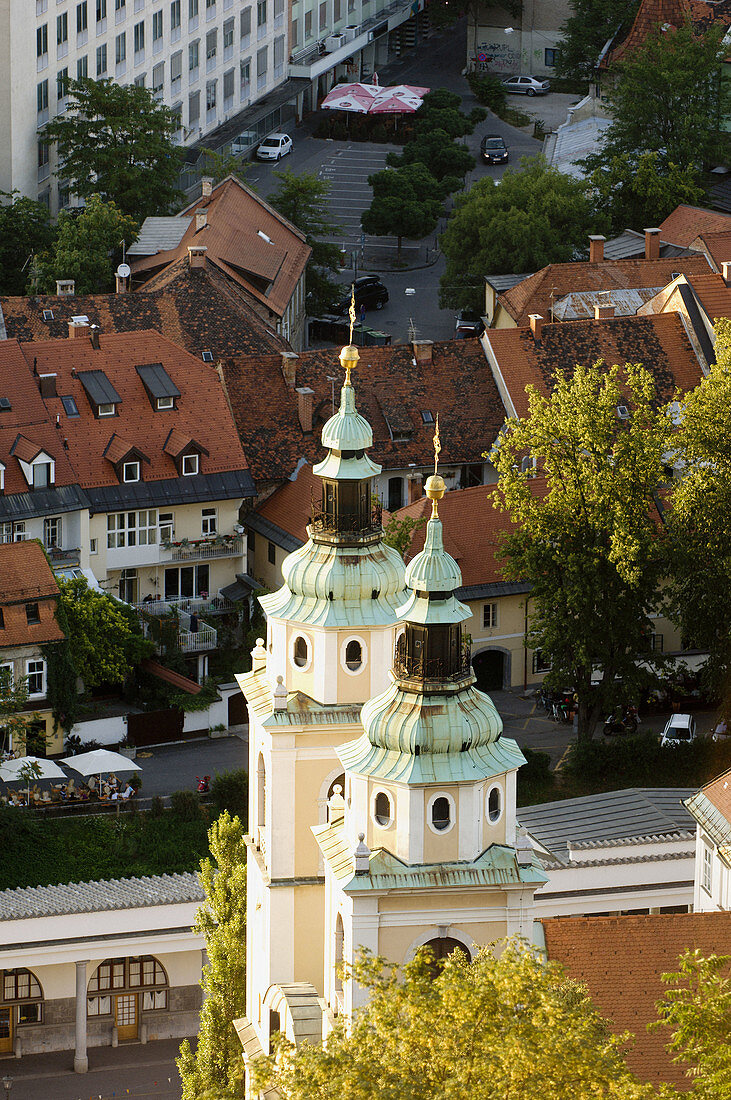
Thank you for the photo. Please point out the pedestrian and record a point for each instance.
(362, 314)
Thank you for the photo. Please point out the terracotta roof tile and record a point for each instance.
(658, 341)
(201, 310)
(658, 13)
(537, 293)
(25, 449)
(26, 577)
(456, 383)
(716, 244)
(718, 791)
(290, 506)
(246, 239)
(688, 222)
(712, 293)
(117, 448)
(621, 960)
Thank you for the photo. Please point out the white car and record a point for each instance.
(721, 733)
(679, 730)
(274, 147)
(526, 85)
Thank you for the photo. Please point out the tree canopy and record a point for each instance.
(87, 247)
(585, 33)
(532, 217)
(639, 191)
(588, 536)
(25, 231)
(105, 638)
(444, 158)
(503, 1027)
(668, 97)
(116, 140)
(15, 719)
(406, 203)
(215, 1070)
(302, 198)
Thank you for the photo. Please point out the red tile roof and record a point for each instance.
(538, 292)
(658, 13)
(658, 341)
(290, 506)
(79, 443)
(716, 244)
(621, 960)
(26, 577)
(392, 391)
(718, 791)
(712, 293)
(688, 222)
(246, 239)
(201, 310)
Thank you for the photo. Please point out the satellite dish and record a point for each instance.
(124, 271)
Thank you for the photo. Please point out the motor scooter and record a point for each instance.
(621, 721)
(203, 784)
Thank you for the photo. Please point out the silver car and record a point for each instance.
(679, 730)
(526, 85)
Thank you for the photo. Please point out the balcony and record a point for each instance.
(59, 557)
(311, 62)
(222, 546)
(205, 637)
(198, 605)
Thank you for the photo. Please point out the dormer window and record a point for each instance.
(166, 403)
(42, 475)
(131, 471)
(32, 613)
(106, 410)
(190, 465)
(207, 356)
(161, 390)
(102, 395)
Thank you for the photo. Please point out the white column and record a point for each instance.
(81, 1062)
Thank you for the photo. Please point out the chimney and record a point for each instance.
(121, 281)
(652, 244)
(95, 337)
(201, 220)
(596, 248)
(423, 350)
(77, 328)
(47, 385)
(206, 187)
(536, 326)
(304, 407)
(289, 367)
(65, 288)
(726, 272)
(197, 255)
(602, 310)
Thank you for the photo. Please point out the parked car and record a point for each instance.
(679, 730)
(468, 324)
(721, 734)
(493, 149)
(274, 147)
(370, 293)
(526, 85)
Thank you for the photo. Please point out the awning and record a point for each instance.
(243, 587)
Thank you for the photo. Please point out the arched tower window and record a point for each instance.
(300, 652)
(382, 811)
(354, 655)
(441, 948)
(441, 813)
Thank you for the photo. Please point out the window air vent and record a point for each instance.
(207, 356)
(622, 412)
(5, 404)
(47, 314)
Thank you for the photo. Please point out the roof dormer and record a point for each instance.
(185, 451)
(102, 395)
(39, 468)
(126, 459)
(161, 390)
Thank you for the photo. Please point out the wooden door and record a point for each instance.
(126, 1016)
(6, 1028)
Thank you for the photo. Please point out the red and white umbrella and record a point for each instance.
(401, 99)
(351, 97)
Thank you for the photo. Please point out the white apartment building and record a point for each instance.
(207, 59)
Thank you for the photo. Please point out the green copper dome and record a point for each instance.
(347, 430)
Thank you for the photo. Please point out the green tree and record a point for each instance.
(25, 230)
(699, 518)
(87, 247)
(447, 161)
(639, 191)
(104, 636)
(406, 203)
(590, 26)
(400, 532)
(586, 534)
(302, 199)
(215, 1070)
(697, 1010)
(116, 140)
(668, 97)
(441, 110)
(532, 217)
(15, 719)
(507, 1027)
(217, 165)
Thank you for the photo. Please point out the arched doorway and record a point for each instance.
(123, 988)
(21, 1002)
(441, 948)
(489, 666)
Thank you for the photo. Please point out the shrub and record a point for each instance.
(185, 805)
(157, 808)
(488, 90)
(536, 781)
(640, 761)
(230, 791)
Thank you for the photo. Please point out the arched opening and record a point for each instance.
(382, 809)
(489, 668)
(441, 813)
(353, 655)
(441, 948)
(338, 781)
(275, 1026)
(21, 1002)
(339, 953)
(123, 988)
(494, 805)
(300, 652)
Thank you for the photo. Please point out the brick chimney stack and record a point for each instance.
(201, 220)
(536, 326)
(206, 187)
(197, 255)
(596, 248)
(289, 368)
(423, 350)
(305, 397)
(602, 310)
(652, 244)
(726, 272)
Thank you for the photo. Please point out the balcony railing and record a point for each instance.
(432, 668)
(222, 547)
(322, 521)
(206, 637)
(63, 557)
(200, 605)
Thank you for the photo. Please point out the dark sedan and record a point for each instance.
(493, 149)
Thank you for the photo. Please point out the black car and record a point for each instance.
(493, 149)
(370, 293)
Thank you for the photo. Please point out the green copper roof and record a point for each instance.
(330, 585)
(418, 609)
(495, 867)
(474, 763)
(347, 430)
(346, 469)
(433, 570)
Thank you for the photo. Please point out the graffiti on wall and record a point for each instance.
(497, 57)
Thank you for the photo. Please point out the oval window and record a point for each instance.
(353, 655)
(440, 813)
(300, 652)
(494, 804)
(383, 809)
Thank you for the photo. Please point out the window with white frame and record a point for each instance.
(209, 521)
(245, 21)
(194, 109)
(62, 32)
(489, 615)
(19, 532)
(35, 671)
(167, 526)
(6, 674)
(6, 532)
(261, 66)
(131, 529)
(211, 45)
(707, 868)
(42, 41)
(192, 9)
(245, 70)
(228, 38)
(93, 546)
(176, 71)
(101, 60)
(131, 471)
(158, 77)
(120, 48)
(43, 474)
(107, 409)
(175, 15)
(51, 532)
(211, 88)
(228, 89)
(190, 462)
(139, 36)
(82, 68)
(193, 55)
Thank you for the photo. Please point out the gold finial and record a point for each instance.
(349, 356)
(351, 311)
(435, 487)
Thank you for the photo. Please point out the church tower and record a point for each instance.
(421, 847)
(331, 629)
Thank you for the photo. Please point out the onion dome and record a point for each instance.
(347, 434)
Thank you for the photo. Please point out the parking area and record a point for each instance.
(346, 168)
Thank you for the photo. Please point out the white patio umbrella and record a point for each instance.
(35, 767)
(99, 761)
(355, 97)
